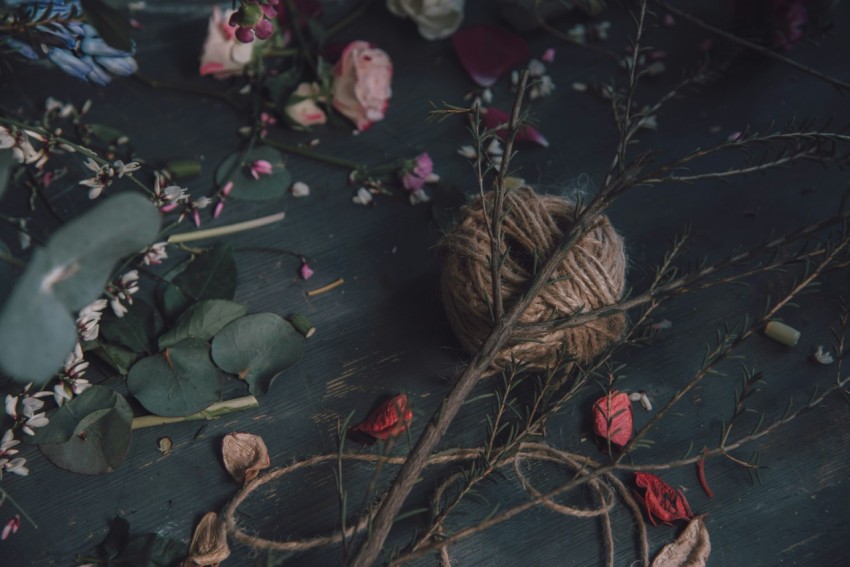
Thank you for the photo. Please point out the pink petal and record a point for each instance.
(495, 118)
(217, 210)
(549, 55)
(487, 52)
(306, 271)
(228, 187)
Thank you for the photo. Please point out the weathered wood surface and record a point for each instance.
(383, 331)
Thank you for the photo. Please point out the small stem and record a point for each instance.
(325, 288)
(225, 230)
(214, 411)
(188, 89)
(312, 155)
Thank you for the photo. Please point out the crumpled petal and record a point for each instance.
(495, 118)
(388, 420)
(662, 501)
(244, 455)
(612, 418)
(487, 52)
(209, 543)
(691, 548)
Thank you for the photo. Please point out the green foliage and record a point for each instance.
(211, 275)
(37, 328)
(136, 330)
(6, 275)
(235, 167)
(118, 357)
(202, 321)
(179, 381)
(6, 164)
(90, 434)
(110, 23)
(150, 550)
(257, 348)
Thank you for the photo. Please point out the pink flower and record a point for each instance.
(306, 271)
(302, 108)
(11, 527)
(222, 55)
(261, 167)
(361, 87)
(414, 179)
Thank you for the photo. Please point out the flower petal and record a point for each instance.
(487, 52)
(244, 455)
(495, 118)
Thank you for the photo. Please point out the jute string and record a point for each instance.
(526, 452)
(591, 275)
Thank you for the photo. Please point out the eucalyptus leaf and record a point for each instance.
(280, 85)
(37, 329)
(89, 434)
(179, 381)
(6, 164)
(105, 133)
(202, 321)
(257, 348)
(212, 275)
(113, 25)
(136, 330)
(116, 539)
(118, 357)
(153, 550)
(235, 167)
(6, 275)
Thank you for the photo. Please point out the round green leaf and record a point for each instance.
(37, 329)
(137, 329)
(257, 348)
(90, 434)
(202, 321)
(212, 275)
(245, 186)
(181, 380)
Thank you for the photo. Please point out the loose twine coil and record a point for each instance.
(527, 452)
(591, 276)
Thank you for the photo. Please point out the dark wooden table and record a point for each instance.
(384, 330)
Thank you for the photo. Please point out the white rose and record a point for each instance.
(436, 19)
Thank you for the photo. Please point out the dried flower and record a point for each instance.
(388, 420)
(88, 320)
(244, 455)
(209, 542)
(361, 87)
(612, 418)
(662, 501)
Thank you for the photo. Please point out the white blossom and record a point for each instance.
(468, 152)
(823, 356)
(155, 253)
(363, 197)
(300, 189)
(418, 197)
(88, 320)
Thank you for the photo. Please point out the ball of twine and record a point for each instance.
(591, 275)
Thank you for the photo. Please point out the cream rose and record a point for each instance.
(361, 87)
(302, 108)
(435, 19)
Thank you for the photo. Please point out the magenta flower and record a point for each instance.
(415, 177)
(261, 167)
(487, 52)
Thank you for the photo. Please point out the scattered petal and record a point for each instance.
(300, 189)
(209, 542)
(244, 455)
(612, 418)
(487, 52)
(662, 501)
(823, 356)
(363, 197)
(494, 118)
(306, 271)
(388, 420)
(548, 55)
(691, 548)
(468, 152)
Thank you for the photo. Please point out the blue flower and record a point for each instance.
(49, 30)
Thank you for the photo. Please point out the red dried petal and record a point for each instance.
(487, 52)
(612, 418)
(495, 118)
(661, 500)
(388, 420)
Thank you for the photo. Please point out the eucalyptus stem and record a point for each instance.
(215, 411)
(225, 230)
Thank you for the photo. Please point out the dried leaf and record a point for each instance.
(245, 455)
(691, 548)
(209, 543)
(612, 417)
(388, 420)
(661, 500)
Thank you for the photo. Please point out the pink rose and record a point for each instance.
(302, 108)
(361, 88)
(223, 56)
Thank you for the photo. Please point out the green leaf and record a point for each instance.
(89, 434)
(37, 329)
(6, 164)
(118, 357)
(318, 31)
(113, 25)
(153, 550)
(116, 539)
(202, 321)
(106, 134)
(211, 275)
(257, 348)
(246, 187)
(137, 329)
(179, 381)
(281, 84)
(7, 277)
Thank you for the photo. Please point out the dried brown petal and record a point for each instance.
(691, 548)
(164, 444)
(245, 455)
(209, 543)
